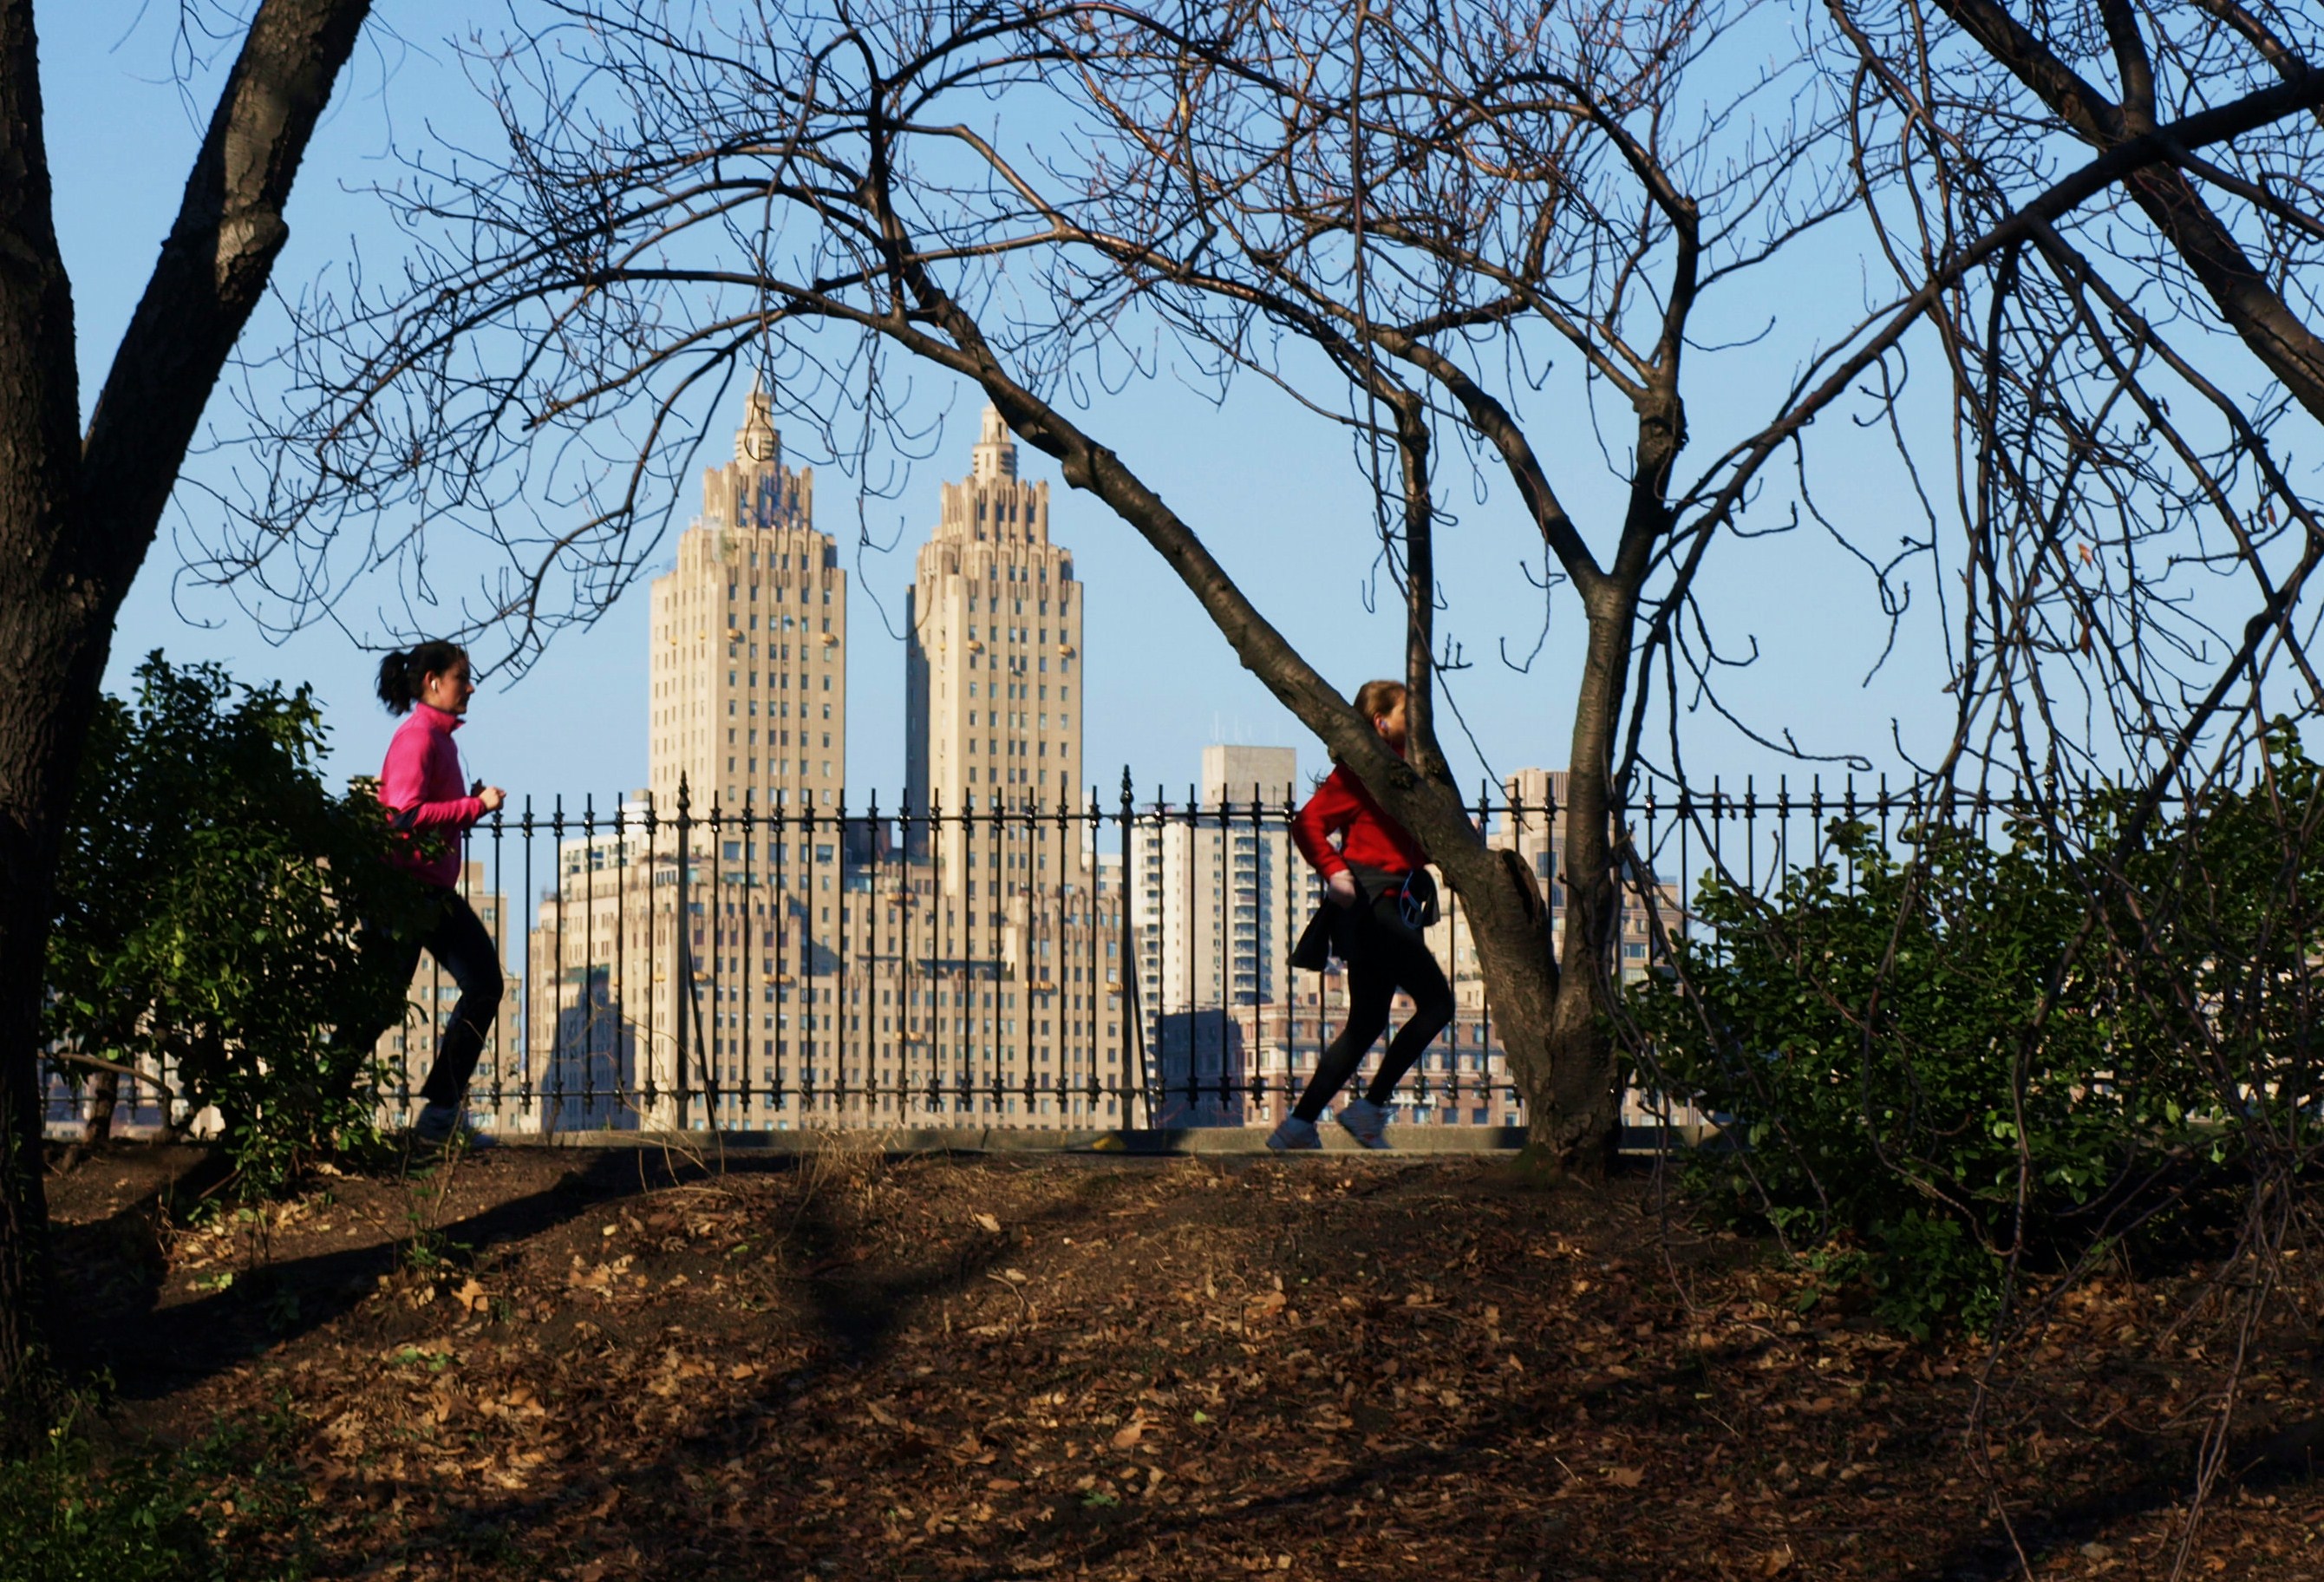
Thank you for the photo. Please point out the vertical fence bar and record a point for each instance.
(530, 1097)
(553, 1104)
(711, 1056)
(940, 936)
(811, 946)
(1229, 1029)
(1133, 1024)
(634, 1062)
(587, 1011)
(684, 1009)
(1000, 860)
(841, 1006)
(757, 1102)
(778, 933)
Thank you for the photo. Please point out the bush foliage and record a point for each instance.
(154, 1512)
(1937, 1057)
(60, 1521)
(211, 894)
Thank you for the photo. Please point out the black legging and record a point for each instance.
(1387, 956)
(458, 941)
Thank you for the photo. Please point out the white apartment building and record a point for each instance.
(1220, 895)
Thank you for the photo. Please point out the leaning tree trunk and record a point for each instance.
(78, 513)
(1552, 1037)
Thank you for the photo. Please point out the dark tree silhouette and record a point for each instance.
(79, 512)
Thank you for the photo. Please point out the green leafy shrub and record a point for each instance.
(210, 893)
(1930, 1062)
(63, 1521)
(2233, 900)
(227, 1508)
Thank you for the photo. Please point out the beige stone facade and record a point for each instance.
(748, 661)
(959, 965)
(993, 693)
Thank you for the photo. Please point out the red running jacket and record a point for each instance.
(1342, 806)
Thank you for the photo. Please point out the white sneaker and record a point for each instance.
(1366, 1122)
(1294, 1133)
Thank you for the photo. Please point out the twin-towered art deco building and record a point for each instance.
(942, 962)
(750, 646)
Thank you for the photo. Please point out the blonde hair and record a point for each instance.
(1376, 698)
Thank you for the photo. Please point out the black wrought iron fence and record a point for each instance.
(1120, 962)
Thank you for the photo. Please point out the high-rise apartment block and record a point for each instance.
(992, 699)
(804, 964)
(749, 662)
(1220, 895)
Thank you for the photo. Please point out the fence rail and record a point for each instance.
(1121, 962)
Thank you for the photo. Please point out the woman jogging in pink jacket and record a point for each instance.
(425, 795)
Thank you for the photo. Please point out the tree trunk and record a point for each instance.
(55, 631)
(76, 518)
(52, 657)
(1508, 922)
(1577, 1121)
(44, 655)
(103, 1096)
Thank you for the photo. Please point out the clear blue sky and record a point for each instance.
(1275, 494)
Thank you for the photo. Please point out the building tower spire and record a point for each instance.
(756, 440)
(995, 457)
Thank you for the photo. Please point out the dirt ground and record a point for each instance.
(626, 1364)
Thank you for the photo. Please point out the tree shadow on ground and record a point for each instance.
(2262, 1460)
(844, 1299)
(854, 1316)
(114, 1269)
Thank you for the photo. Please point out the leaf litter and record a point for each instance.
(950, 1368)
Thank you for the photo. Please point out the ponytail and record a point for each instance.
(402, 670)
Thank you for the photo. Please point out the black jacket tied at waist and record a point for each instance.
(1405, 902)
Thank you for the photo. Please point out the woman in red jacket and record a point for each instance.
(1377, 872)
(424, 793)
